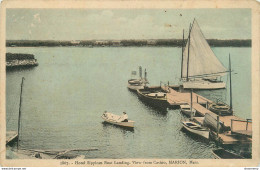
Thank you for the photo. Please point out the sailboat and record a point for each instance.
(200, 68)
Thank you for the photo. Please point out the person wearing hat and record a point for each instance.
(124, 117)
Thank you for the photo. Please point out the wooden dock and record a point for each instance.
(176, 98)
(11, 136)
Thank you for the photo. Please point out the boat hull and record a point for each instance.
(223, 154)
(203, 133)
(186, 112)
(136, 84)
(129, 124)
(134, 88)
(185, 109)
(152, 100)
(220, 109)
(203, 85)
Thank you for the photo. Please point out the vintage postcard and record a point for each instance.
(129, 83)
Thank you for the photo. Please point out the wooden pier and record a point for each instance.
(175, 98)
(237, 125)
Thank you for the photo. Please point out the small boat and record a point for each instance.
(155, 96)
(185, 109)
(196, 128)
(137, 83)
(114, 119)
(220, 108)
(224, 154)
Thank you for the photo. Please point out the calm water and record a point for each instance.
(64, 97)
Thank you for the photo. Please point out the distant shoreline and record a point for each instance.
(124, 43)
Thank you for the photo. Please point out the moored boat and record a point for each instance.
(196, 129)
(224, 154)
(220, 108)
(155, 96)
(115, 120)
(185, 109)
(135, 84)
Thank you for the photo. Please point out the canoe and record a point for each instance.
(185, 109)
(224, 154)
(196, 129)
(154, 96)
(113, 119)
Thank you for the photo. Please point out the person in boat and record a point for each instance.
(124, 117)
(105, 113)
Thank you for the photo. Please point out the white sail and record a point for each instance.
(201, 60)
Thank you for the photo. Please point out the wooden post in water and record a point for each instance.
(247, 124)
(217, 125)
(231, 127)
(230, 84)
(140, 72)
(191, 103)
(19, 118)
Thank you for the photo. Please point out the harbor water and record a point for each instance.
(65, 96)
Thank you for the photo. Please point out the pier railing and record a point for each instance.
(242, 127)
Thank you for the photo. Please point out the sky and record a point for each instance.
(100, 24)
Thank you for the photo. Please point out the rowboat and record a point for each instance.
(196, 129)
(185, 109)
(114, 119)
(154, 96)
(224, 154)
(135, 84)
(220, 108)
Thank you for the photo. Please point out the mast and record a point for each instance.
(188, 55)
(231, 107)
(145, 74)
(19, 118)
(140, 72)
(182, 48)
